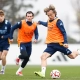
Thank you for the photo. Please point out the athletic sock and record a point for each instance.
(43, 70)
(20, 69)
(3, 68)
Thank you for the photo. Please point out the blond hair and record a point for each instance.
(51, 7)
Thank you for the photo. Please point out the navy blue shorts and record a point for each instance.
(53, 47)
(4, 47)
(26, 47)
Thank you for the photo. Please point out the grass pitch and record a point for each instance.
(67, 73)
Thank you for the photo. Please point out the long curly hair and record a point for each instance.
(51, 7)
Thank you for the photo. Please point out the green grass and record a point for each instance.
(67, 73)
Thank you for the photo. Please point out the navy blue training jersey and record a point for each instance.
(5, 28)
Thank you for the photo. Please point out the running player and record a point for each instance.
(26, 29)
(5, 27)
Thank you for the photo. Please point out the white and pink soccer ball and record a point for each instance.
(55, 74)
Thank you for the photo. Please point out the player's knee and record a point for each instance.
(24, 53)
(43, 57)
(3, 57)
(25, 56)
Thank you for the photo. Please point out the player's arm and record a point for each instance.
(60, 25)
(16, 26)
(36, 34)
(8, 32)
(42, 23)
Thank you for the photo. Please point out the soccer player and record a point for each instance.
(5, 27)
(26, 29)
(56, 39)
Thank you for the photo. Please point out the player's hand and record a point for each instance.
(38, 23)
(35, 41)
(10, 40)
(65, 45)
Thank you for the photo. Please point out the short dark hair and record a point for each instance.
(30, 12)
(1, 12)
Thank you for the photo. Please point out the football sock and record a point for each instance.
(20, 69)
(3, 68)
(43, 70)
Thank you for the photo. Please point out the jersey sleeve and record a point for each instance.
(60, 25)
(43, 23)
(36, 33)
(16, 26)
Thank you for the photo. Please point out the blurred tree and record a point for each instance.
(76, 6)
(15, 10)
(12, 8)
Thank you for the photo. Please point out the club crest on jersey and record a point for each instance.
(5, 27)
(50, 28)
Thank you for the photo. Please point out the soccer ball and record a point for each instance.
(55, 74)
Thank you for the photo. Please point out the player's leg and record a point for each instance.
(44, 57)
(22, 55)
(0, 52)
(25, 59)
(73, 55)
(23, 64)
(68, 52)
(3, 57)
(17, 60)
(47, 53)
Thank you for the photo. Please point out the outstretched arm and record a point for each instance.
(42, 23)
